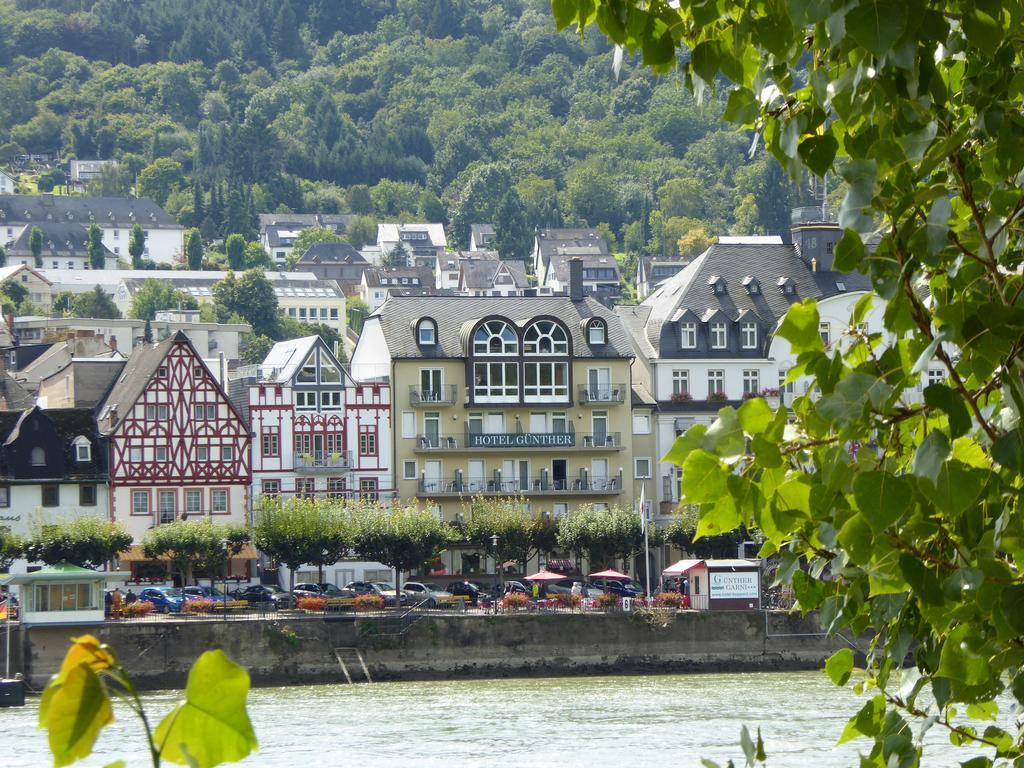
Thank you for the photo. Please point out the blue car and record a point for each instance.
(619, 587)
(164, 599)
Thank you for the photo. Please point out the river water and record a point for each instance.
(620, 722)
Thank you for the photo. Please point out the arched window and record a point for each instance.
(426, 332)
(545, 338)
(596, 332)
(38, 457)
(495, 337)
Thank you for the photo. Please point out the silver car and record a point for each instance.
(423, 592)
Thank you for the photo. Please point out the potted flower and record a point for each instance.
(681, 397)
(749, 395)
(771, 395)
(718, 397)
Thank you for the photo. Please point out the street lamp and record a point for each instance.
(497, 567)
(225, 545)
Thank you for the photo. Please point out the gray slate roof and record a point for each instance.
(689, 291)
(105, 211)
(455, 316)
(424, 277)
(331, 253)
(61, 239)
(480, 273)
(477, 233)
(135, 376)
(335, 221)
(571, 242)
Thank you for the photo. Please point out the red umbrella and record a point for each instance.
(609, 574)
(545, 576)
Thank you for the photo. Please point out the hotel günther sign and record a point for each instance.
(522, 440)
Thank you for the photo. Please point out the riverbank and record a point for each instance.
(301, 650)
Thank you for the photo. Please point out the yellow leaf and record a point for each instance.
(77, 710)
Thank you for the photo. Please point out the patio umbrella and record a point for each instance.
(609, 574)
(545, 576)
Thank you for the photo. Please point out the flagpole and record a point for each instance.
(647, 552)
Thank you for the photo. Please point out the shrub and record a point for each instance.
(312, 603)
(568, 600)
(681, 397)
(717, 397)
(368, 603)
(198, 606)
(138, 609)
(608, 600)
(668, 600)
(514, 601)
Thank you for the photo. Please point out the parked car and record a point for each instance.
(388, 591)
(620, 587)
(467, 589)
(431, 594)
(272, 596)
(309, 589)
(384, 591)
(164, 599)
(199, 592)
(517, 586)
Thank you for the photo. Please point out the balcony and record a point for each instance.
(534, 486)
(604, 394)
(519, 441)
(320, 461)
(419, 396)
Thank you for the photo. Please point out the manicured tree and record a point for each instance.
(147, 332)
(257, 303)
(96, 303)
(403, 537)
(235, 246)
(11, 548)
(603, 535)
(35, 244)
(89, 542)
(899, 518)
(137, 245)
(300, 531)
(194, 249)
(504, 518)
(95, 248)
(190, 544)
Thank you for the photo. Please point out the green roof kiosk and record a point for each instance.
(62, 594)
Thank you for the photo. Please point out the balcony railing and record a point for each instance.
(436, 396)
(517, 441)
(544, 485)
(320, 461)
(605, 393)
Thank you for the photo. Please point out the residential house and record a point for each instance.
(334, 261)
(380, 282)
(59, 356)
(424, 243)
(706, 337)
(490, 277)
(446, 273)
(53, 468)
(115, 215)
(554, 248)
(178, 448)
(650, 273)
(504, 397)
(81, 172)
(278, 231)
(481, 237)
(7, 183)
(65, 246)
(40, 289)
(81, 383)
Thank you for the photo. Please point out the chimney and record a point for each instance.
(576, 278)
(223, 365)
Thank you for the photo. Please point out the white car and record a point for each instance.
(422, 592)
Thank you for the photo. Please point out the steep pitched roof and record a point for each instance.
(285, 357)
(331, 253)
(480, 273)
(423, 276)
(456, 314)
(478, 233)
(135, 376)
(335, 221)
(105, 211)
(571, 242)
(61, 239)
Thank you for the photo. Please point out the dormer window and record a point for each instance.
(748, 335)
(717, 283)
(426, 332)
(38, 457)
(688, 335)
(787, 285)
(752, 285)
(718, 336)
(82, 448)
(596, 333)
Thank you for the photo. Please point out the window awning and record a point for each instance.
(681, 567)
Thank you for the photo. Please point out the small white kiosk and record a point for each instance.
(62, 594)
(723, 585)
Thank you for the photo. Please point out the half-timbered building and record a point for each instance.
(178, 447)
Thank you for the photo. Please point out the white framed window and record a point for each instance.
(688, 335)
(140, 502)
(163, 413)
(307, 373)
(825, 329)
(748, 335)
(751, 381)
(135, 453)
(218, 501)
(641, 424)
(167, 502)
(642, 468)
(495, 337)
(160, 453)
(408, 424)
(545, 381)
(718, 337)
(408, 470)
(305, 401)
(426, 332)
(150, 413)
(596, 333)
(680, 381)
(202, 453)
(227, 453)
(716, 382)
(936, 376)
(330, 400)
(495, 382)
(199, 411)
(193, 502)
(211, 411)
(83, 449)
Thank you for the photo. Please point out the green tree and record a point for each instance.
(147, 332)
(913, 508)
(11, 548)
(95, 248)
(89, 542)
(430, 207)
(155, 295)
(357, 311)
(301, 531)
(235, 247)
(359, 200)
(362, 230)
(137, 245)
(403, 537)
(478, 200)
(256, 349)
(256, 257)
(251, 297)
(513, 237)
(194, 249)
(396, 257)
(517, 530)
(161, 177)
(35, 244)
(308, 238)
(14, 291)
(96, 303)
(603, 535)
(190, 545)
(3, 257)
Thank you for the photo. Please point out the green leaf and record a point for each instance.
(77, 710)
(704, 478)
(850, 253)
(856, 537)
(882, 498)
(839, 666)
(800, 327)
(878, 25)
(954, 491)
(938, 225)
(1008, 450)
(818, 152)
(922, 580)
(564, 12)
(719, 519)
(755, 416)
(982, 30)
(725, 437)
(867, 722)
(1012, 603)
(931, 455)
(685, 443)
(958, 661)
(747, 745)
(211, 726)
(952, 404)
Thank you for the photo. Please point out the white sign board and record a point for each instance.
(726, 584)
